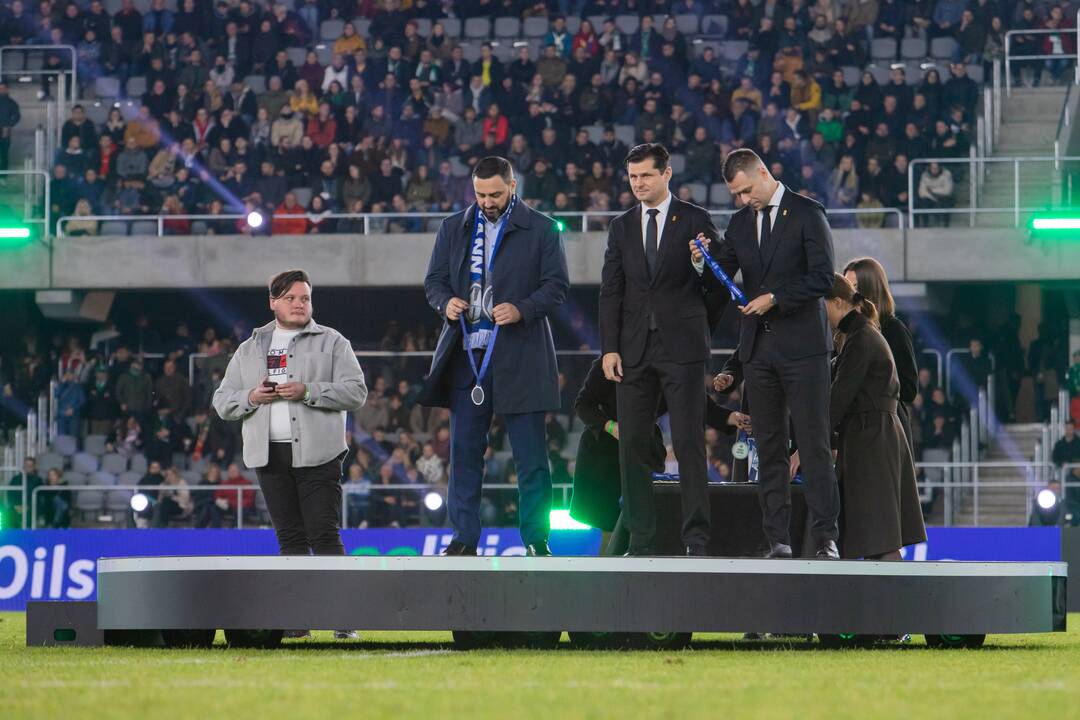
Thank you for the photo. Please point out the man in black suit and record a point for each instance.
(654, 335)
(782, 244)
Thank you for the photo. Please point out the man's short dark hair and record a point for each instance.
(491, 166)
(644, 151)
(280, 283)
(742, 160)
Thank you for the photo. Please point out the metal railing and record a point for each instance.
(30, 191)
(374, 223)
(961, 479)
(975, 165)
(62, 83)
(939, 378)
(1010, 58)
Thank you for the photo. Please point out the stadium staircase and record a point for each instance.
(1003, 506)
(1029, 124)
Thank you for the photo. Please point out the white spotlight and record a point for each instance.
(139, 502)
(255, 219)
(1046, 499)
(433, 501)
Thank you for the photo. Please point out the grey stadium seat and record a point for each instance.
(298, 55)
(975, 72)
(94, 444)
(136, 86)
(734, 50)
(84, 462)
(144, 227)
(852, 74)
(714, 25)
(106, 87)
(303, 195)
(452, 27)
(943, 47)
(881, 74)
(257, 83)
(191, 477)
(363, 27)
(699, 192)
(625, 133)
(628, 24)
(686, 24)
(678, 163)
(49, 461)
(129, 478)
(75, 478)
(138, 464)
(118, 501)
(331, 29)
(114, 463)
(913, 49)
(423, 27)
(102, 478)
(507, 27)
(114, 227)
(719, 195)
(535, 27)
(65, 445)
(883, 49)
(470, 51)
(89, 501)
(478, 28)
(596, 133)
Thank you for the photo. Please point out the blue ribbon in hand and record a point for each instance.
(736, 293)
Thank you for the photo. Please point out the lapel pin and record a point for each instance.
(674, 218)
(784, 214)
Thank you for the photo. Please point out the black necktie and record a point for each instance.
(650, 241)
(766, 227)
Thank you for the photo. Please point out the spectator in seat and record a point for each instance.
(208, 509)
(173, 501)
(935, 192)
(289, 217)
(960, 90)
(322, 127)
(227, 500)
(76, 226)
(288, 125)
(54, 506)
(14, 500)
(1067, 452)
(302, 99)
(70, 401)
(134, 390)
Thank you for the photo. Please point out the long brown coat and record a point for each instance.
(880, 501)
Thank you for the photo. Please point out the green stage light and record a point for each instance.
(1056, 223)
(14, 233)
(561, 520)
(560, 225)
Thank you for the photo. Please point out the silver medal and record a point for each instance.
(477, 395)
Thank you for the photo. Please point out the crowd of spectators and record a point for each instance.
(387, 119)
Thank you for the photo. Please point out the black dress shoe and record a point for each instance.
(827, 551)
(539, 549)
(777, 550)
(697, 551)
(459, 548)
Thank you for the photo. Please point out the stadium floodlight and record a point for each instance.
(255, 219)
(433, 501)
(561, 520)
(139, 502)
(1047, 499)
(1056, 223)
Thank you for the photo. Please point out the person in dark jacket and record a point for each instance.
(485, 290)
(597, 487)
(869, 278)
(880, 511)
(9, 118)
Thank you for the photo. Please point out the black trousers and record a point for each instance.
(682, 385)
(304, 503)
(775, 386)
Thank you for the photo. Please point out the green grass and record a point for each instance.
(417, 675)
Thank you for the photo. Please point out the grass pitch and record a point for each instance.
(419, 675)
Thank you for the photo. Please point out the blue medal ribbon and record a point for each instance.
(736, 293)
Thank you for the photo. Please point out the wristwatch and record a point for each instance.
(772, 297)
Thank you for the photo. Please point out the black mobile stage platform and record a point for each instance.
(187, 599)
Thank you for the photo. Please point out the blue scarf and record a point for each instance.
(480, 323)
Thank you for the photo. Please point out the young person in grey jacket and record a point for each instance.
(292, 383)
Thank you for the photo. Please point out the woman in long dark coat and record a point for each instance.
(869, 278)
(597, 488)
(879, 499)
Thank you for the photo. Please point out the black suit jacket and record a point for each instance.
(530, 272)
(796, 266)
(676, 293)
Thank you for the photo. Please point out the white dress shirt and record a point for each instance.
(661, 217)
(774, 203)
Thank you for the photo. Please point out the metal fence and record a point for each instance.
(1011, 58)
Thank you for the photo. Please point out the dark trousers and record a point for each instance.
(776, 385)
(682, 385)
(469, 428)
(304, 503)
(5, 148)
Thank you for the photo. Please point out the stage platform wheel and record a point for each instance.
(955, 642)
(188, 638)
(474, 639)
(661, 640)
(598, 640)
(257, 639)
(842, 641)
(485, 639)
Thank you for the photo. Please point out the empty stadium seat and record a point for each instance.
(138, 464)
(107, 87)
(423, 26)
(883, 49)
(129, 478)
(191, 477)
(75, 478)
(733, 50)
(114, 463)
(478, 28)
(136, 86)
(363, 26)
(49, 461)
(117, 501)
(65, 445)
(298, 55)
(628, 24)
(89, 502)
(97, 112)
(852, 74)
(943, 47)
(84, 462)
(719, 195)
(596, 133)
(507, 27)
(714, 25)
(452, 27)
(470, 51)
(687, 24)
(144, 227)
(325, 53)
(113, 227)
(625, 133)
(256, 83)
(573, 24)
(975, 72)
(303, 195)
(678, 163)
(698, 192)
(913, 49)
(94, 444)
(880, 73)
(535, 27)
(102, 478)
(330, 30)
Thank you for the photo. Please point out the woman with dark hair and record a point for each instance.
(869, 92)
(880, 510)
(868, 277)
(931, 88)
